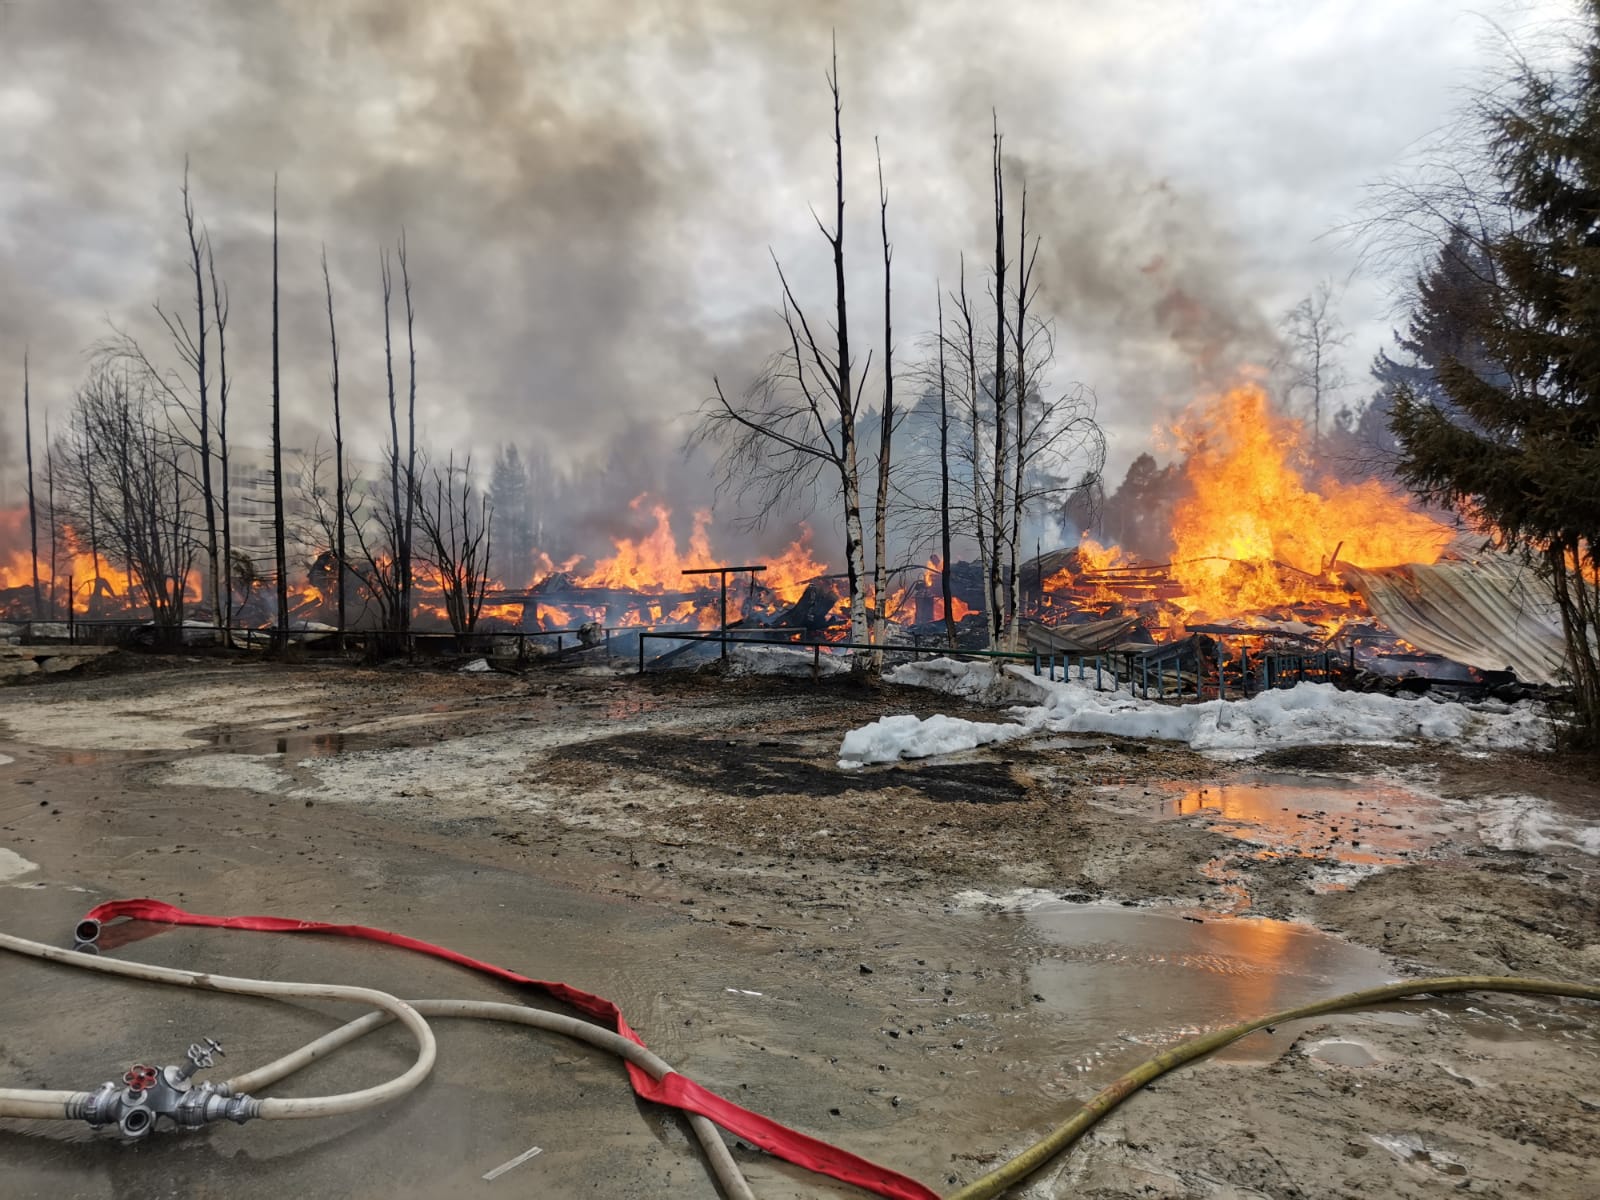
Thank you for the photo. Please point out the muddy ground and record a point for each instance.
(926, 963)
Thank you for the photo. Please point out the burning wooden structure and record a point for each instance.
(1266, 568)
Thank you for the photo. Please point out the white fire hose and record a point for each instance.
(230, 1100)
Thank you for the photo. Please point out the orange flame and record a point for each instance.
(652, 564)
(959, 608)
(789, 573)
(551, 617)
(75, 567)
(1250, 512)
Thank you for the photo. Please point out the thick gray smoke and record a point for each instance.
(589, 192)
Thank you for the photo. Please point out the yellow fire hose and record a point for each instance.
(1004, 1178)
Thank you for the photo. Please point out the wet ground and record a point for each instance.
(926, 963)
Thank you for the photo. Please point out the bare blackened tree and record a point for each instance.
(457, 522)
(338, 539)
(194, 348)
(279, 543)
(408, 527)
(135, 466)
(1315, 337)
(1025, 334)
(997, 496)
(219, 321)
(374, 520)
(965, 342)
(397, 611)
(944, 478)
(33, 508)
(797, 420)
(880, 512)
(55, 526)
(189, 390)
(369, 566)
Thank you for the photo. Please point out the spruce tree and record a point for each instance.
(1514, 439)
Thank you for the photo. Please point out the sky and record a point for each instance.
(592, 192)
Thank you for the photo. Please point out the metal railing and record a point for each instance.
(1140, 670)
(817, 647)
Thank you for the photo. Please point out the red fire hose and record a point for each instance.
(672, 1090)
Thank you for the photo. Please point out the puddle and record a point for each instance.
(1123, 984)
(298, 745)
(1357, 824)
(1340, 1052)
(1338, 830)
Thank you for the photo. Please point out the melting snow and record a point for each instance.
(13, 865)
(1527, 823)
(1306, 714)
(906, 736)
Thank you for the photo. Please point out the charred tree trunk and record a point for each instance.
(855, 555)
(219, 308)
(338, 447)
(279, 536)
(969, 351)
(796, 422)
(394, 530)
(86, 472)
(1020, 383)
(880, 516)
(50, 506)
(33, 510)
(997, 531)
(411, 442)
(203, 394)
(944, 481)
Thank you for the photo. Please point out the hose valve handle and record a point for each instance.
(202, 1057)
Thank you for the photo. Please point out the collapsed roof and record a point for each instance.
(1486, 610)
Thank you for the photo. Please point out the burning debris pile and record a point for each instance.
(1263, 563)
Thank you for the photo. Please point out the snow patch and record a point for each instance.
(980, 682)
(783, 660)
(906, 736)
(1306, 714)
(13, 865)
(1527, 823)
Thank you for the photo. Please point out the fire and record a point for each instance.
(1250, 514)
(653, 563)
(95, 583)
(789, 573)
(551, 617)
(1092, 556)
(958, 608)
(511, 614)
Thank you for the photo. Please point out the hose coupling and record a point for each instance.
(205, 1104)
(145, 1094)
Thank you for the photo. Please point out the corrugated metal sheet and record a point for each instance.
(1092, 637)
(1486, 610)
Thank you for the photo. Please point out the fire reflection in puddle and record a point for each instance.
(1342, 830)
(1158, 978)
